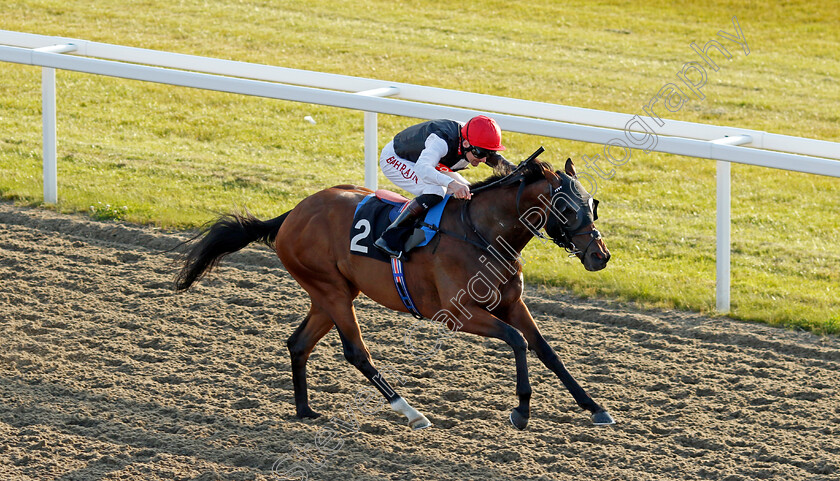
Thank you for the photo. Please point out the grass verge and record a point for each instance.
(173, 157)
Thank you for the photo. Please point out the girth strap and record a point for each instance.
(402, 287)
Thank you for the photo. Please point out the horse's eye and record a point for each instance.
(569, 215)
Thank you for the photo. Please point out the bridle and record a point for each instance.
(566, 241)
(563, 238)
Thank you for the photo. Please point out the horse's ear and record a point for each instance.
(570, 168)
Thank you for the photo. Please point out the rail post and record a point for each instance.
(372, 138)
(48, 118)
(724, 223)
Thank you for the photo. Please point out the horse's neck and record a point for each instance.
(495, 214)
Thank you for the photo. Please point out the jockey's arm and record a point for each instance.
(435, 150)
(499, 163)
(458, 177)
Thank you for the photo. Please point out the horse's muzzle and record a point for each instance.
(595, 259)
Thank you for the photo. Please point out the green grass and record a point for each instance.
(173, 156)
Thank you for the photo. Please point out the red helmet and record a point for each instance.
(484, 132)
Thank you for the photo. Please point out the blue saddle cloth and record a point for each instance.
(373, 215)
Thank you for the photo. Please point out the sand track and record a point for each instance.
(105, 373)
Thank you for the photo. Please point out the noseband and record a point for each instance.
(567, 244)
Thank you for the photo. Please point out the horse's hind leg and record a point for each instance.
(357, 354)
(300, 344)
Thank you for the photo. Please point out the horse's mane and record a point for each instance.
(532, 172)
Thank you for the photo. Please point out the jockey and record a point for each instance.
(423, 159)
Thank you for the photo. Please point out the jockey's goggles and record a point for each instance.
(479, 152)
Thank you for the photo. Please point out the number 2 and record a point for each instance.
(364, 225)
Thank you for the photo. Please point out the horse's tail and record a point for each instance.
(230, 233)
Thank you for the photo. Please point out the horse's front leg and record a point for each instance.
(519, 317)
(485, 324)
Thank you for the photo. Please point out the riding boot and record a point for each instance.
(391, 241)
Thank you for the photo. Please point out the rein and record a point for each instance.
(516, 175)
(566, 241)
(482, 244)
(466, 220)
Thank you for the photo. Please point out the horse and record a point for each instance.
(486, 233)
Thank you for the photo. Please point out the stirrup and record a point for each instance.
(383, 246)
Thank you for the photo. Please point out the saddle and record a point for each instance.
(377, 211)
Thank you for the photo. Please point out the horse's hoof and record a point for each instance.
(519, 421)
(420, 423)
(307, 413)
(602, 418)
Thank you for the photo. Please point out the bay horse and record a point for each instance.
(486, 233)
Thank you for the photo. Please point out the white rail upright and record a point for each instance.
(48, 118)
(372, 137)
(724, 224)
(724, 238)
